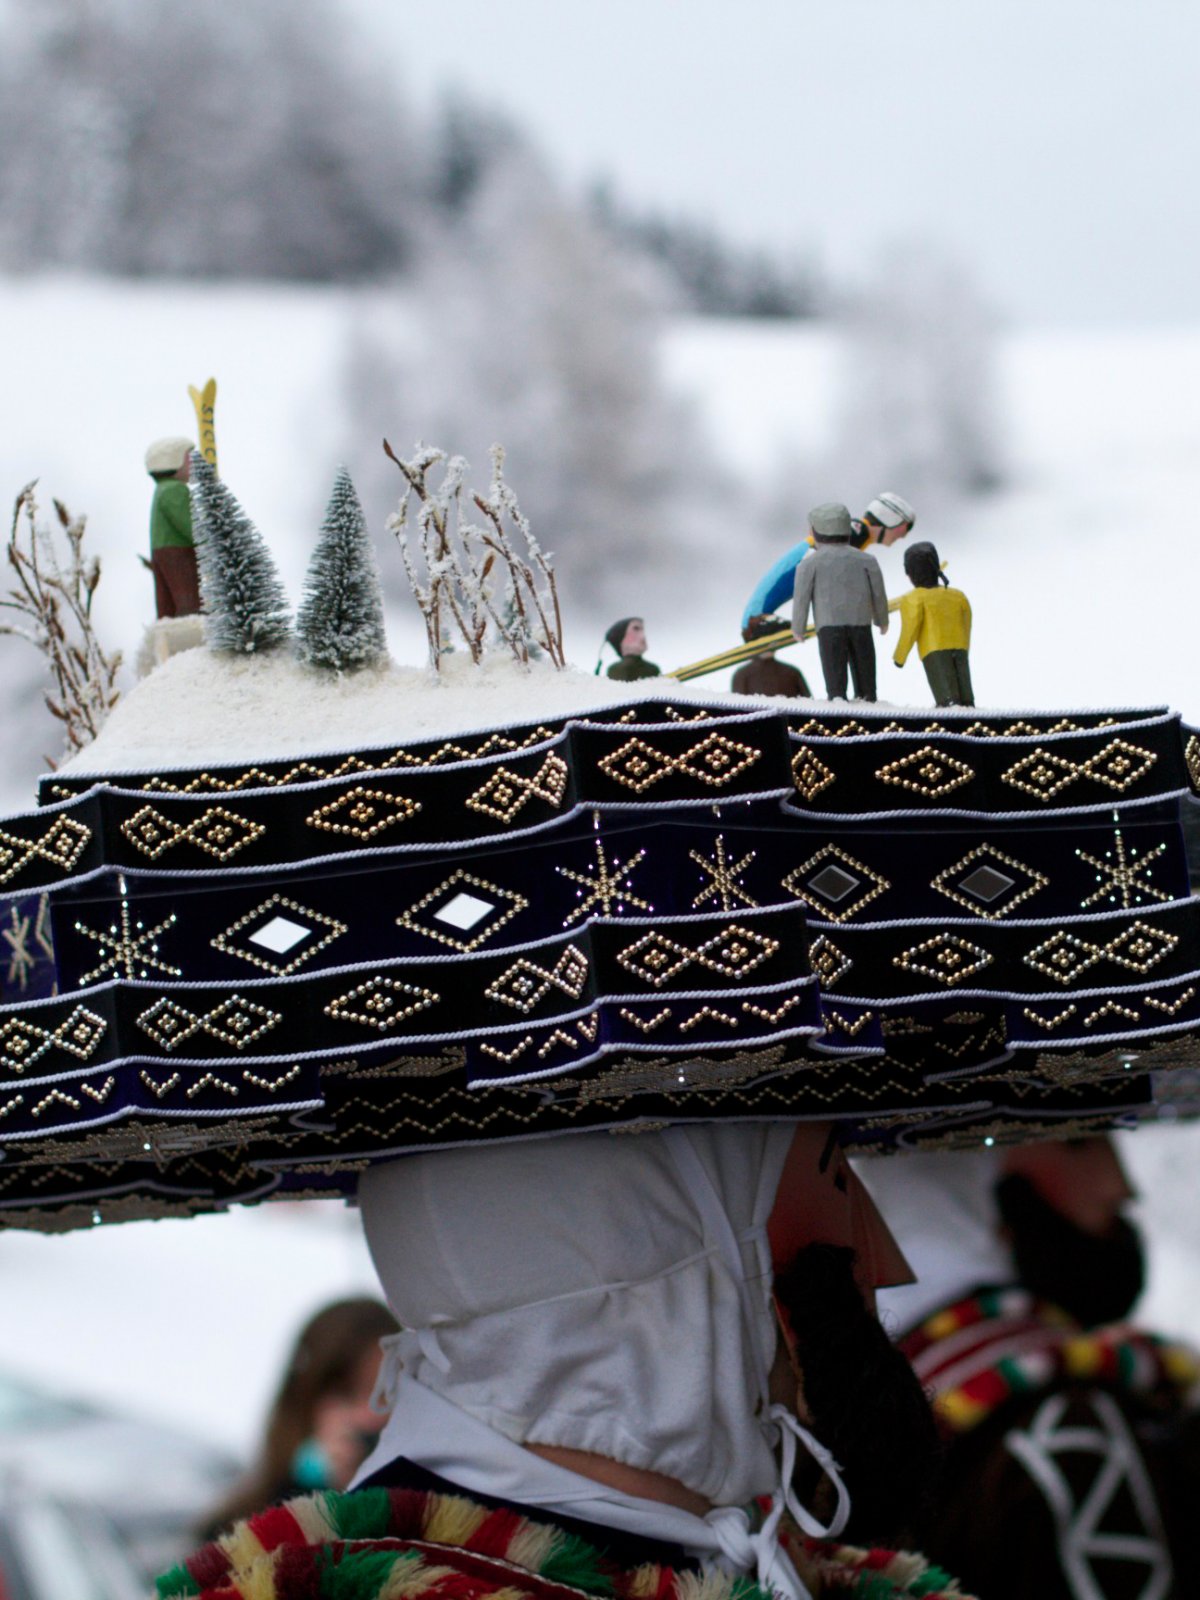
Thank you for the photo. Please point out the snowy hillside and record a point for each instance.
(1081, 576)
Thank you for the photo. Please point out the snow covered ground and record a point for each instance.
(1081, 573)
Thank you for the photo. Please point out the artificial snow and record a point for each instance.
(203, 707)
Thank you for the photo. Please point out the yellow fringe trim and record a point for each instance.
(644, 1581)
(451, 1519)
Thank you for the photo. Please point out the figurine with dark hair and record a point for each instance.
(628, 639)
(763, 674)
(172, 547)
(843, 587)
(937, 619)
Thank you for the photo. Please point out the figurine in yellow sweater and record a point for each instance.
(937, 619)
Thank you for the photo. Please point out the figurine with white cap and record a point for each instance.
(887, 519)
(172, 546)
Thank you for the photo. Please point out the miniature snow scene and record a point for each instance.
(600, 987)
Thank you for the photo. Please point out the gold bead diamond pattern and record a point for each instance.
(945, 957)
(506, 793)
(23, 1042)
(927, 772)
(363, 814)
(235, 1021)
(1191, 756)
(828, 961)
(1043, 774)
(380, 1003)
(983, 868)
(513, 903)
(715, 761)
(826, 889)
(225, 941)
(810, 774)
(524, 983)
(62, 844)
(1064, 956)
(731, 953)
(216, 831)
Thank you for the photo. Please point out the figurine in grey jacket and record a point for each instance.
(844, 589)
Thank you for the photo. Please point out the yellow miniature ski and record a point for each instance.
(747, 652)
(205, 402)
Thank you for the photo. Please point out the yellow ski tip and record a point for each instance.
(205, 402)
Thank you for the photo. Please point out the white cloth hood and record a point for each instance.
(603, 1293)
(941, 1207)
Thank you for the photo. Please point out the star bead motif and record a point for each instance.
(21, 961)
(130, 948)
(724, 876)
(604, 886)
(1128, 876)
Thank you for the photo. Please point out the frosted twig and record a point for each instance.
(450, 564)
(55, 600)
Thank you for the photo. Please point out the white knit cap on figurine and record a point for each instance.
(168, 455)
(890, 510)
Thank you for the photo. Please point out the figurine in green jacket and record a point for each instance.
(628, 639)
(172, 548)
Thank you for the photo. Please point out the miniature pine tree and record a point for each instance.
(339, 626)
(243, 598)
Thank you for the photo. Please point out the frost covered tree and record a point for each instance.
(200, 140)
(531, 326)
(339, 626)
(920, 412)
(245, 606)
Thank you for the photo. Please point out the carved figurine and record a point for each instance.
(887, 519)
(628, 639)
(843, 587)
(937, 619)
(172, 547)
(763, 674)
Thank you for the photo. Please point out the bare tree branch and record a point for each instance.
(495, 595)
(53, 594)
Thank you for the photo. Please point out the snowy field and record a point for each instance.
(1082, 575)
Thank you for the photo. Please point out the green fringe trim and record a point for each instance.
(576, 1563)
(362, 1514)
(178, 1581)
(361, 1574)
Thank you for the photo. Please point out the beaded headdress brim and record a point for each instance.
(245, 982)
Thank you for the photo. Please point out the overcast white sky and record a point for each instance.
(1052, 143)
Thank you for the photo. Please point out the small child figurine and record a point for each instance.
(763, 674)
(844, 588)
(938, 621)
(628, 639)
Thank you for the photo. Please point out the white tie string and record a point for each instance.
(759, 1552)
(391, 1365)
(792, 1429)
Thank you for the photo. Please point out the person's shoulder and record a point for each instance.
(172, 489)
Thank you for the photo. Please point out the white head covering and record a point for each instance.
(168, 455)
(602, 1293)
(941, 1207)
(889, 509)
(572, 1292)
